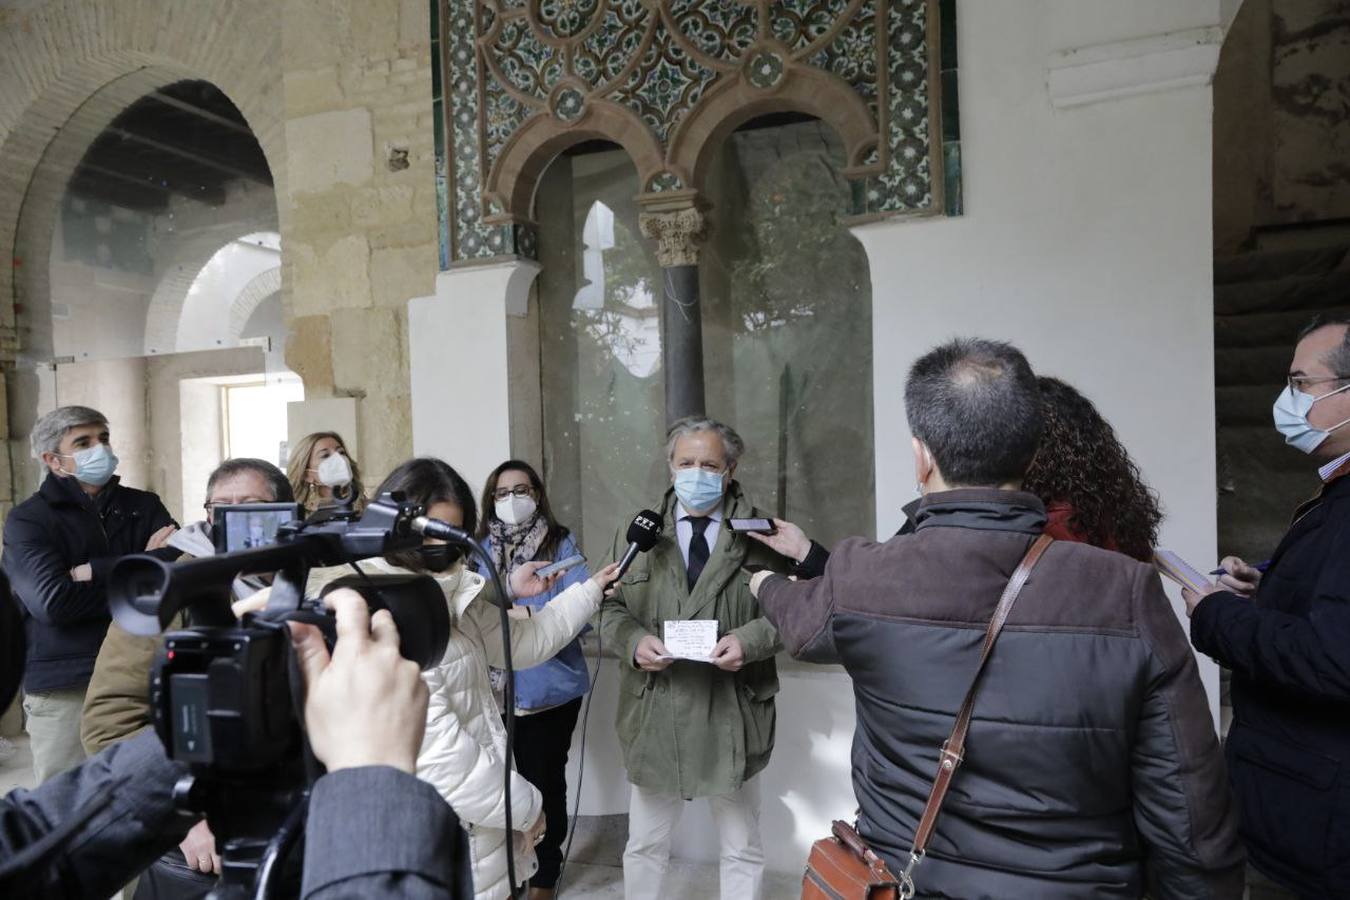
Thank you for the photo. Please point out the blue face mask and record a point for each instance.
(1291, 419)
(698, 490)
(94, 465)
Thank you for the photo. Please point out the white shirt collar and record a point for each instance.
(715, 515)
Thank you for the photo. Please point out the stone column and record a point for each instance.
(678, 234)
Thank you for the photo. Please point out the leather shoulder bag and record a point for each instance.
(842, 866)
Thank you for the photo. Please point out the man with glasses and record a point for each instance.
(701, 725)
(1283, 627)
(117, 706)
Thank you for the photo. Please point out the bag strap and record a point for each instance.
(954, 749)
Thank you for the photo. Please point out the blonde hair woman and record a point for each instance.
(319, 482)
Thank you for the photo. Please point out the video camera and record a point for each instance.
(226, 694)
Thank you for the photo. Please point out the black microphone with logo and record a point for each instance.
(642, 535)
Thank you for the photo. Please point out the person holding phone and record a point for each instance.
(517, 526)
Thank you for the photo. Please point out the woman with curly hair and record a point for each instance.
(1092, 490)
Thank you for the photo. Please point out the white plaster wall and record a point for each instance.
(458, 352)
(1086, 241)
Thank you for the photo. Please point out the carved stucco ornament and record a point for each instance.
(678, 233)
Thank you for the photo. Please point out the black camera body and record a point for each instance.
(222, 699)
(226, 695)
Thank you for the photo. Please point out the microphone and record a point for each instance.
(435, 528)
(642, 534)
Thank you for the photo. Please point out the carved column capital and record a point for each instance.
(678, 234)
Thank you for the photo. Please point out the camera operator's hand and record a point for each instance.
(525, 583)
(199, 849)
(365, 705)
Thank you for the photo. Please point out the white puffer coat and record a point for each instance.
(464, 750)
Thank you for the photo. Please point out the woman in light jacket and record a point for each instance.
(516, 527)
(464, 750)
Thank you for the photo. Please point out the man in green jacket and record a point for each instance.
(700, 726)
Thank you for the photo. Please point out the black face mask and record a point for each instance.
(441, 557)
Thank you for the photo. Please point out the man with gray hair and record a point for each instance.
(59, 546)
(696, 717)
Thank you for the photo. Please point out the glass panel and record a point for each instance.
(600, 348)
(787, 327)
(149, 228)
(787, 332)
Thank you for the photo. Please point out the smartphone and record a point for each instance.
(561, 565)
(759, 526)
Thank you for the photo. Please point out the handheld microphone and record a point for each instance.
(642, 534)
(435, 528)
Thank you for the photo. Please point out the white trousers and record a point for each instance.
(652, 817)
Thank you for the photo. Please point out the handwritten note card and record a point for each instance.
(691, 639)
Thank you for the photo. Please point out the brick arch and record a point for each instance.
(261, 288)
(164, 314)
(57, 57)
(733, 103)
(512, 182)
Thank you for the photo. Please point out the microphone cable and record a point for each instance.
(581, 760)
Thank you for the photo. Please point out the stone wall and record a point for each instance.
(361, 236)
(1281, 136)
(338, 93)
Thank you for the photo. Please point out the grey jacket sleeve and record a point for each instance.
(376, 832)
(1182, 804)
(89, 830)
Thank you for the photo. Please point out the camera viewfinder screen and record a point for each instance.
(249, 526)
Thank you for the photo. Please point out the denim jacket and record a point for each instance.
(564, 677)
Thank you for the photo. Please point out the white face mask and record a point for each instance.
(335, 471)
(515, 510)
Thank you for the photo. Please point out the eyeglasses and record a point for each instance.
(520, 490)
(1300, 383)
(210, 505)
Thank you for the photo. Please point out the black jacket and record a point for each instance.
(372, 832)
(1289, 745)
(1092, 768)
(53, 531)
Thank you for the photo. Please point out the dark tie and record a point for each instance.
(698, 549)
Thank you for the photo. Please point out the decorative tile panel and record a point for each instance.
(665, 79)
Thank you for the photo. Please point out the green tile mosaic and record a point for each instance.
(503, 65)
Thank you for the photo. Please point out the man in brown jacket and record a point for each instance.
(1091, 767)
(117, 704)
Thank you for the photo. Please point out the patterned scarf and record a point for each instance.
(516, 544)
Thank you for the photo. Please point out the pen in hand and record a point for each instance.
(1260, 567)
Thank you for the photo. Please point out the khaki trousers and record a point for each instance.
(54, 729)
(652, 817)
